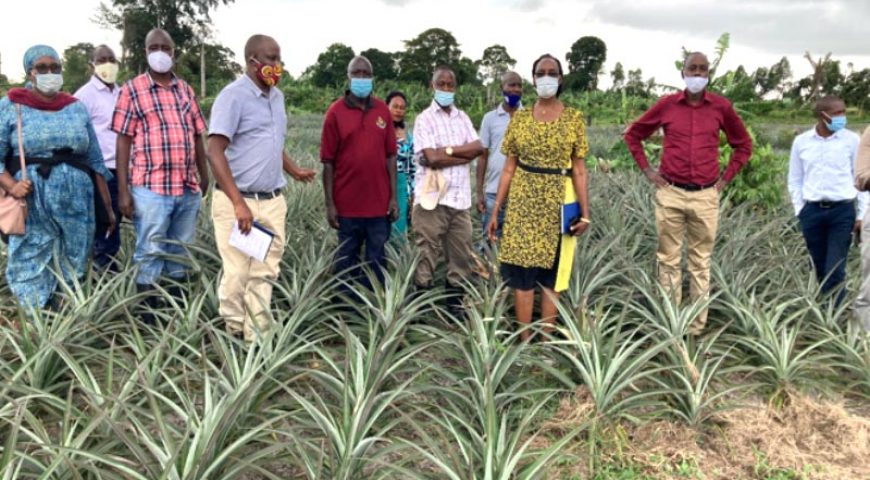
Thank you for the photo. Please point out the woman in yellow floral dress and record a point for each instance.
(545, 146)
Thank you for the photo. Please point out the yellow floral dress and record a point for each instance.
(531, 236)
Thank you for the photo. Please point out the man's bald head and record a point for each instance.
(831, 105)
(257, 43)
(511, 77)
(158, 36)
(359, 66)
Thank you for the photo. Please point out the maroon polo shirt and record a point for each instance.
(690, 150)
(357, 141)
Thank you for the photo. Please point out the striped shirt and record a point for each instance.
(435, 128)
(164, 123)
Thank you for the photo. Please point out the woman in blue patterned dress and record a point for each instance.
(405, 163)
(63, 165)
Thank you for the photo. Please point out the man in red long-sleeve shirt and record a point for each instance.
(688, 181)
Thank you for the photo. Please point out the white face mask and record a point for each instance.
(49, 83)
(547, 86)
(107, 72)
(160, 62)
(696, 84)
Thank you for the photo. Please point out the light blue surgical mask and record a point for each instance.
(445, 99)
(49, 83)
(361, 87)
(837, 123)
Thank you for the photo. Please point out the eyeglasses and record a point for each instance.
(44, 68)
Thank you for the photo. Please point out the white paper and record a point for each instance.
(255, 244)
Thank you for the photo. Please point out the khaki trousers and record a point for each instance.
(695, 216)
(442, 229)
(862, 303)
(245, 290)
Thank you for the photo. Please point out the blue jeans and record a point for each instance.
(158, 218)
(487, 214)
(105, 248)
(356, 235)
(828, 232)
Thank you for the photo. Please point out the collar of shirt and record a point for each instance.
(682, 97)
(173, 83)
(452, 113)
(101, 86)
(350, 104)
(835, 136)
(255, 89)
(501, 111)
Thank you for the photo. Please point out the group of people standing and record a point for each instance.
(139, 151)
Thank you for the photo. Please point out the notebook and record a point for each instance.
(255, 244)
(570, 213)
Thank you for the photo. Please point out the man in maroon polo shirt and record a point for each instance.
(358, 151)
(688, 180)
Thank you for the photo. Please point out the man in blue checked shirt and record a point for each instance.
(822, 189)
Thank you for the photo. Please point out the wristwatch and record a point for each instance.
(449, 151)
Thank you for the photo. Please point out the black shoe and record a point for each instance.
(149, 303)
(453, 303)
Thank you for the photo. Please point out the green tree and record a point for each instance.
(430, 49)
(585, 59)
(76, 71)
(494, 62)
(181, 18)
(384, 64)
(220, 64)
(331, 67)
(856, 89)
(831, 78)
(780, 75)
(617, 77)
(635, 85)
(738, 85)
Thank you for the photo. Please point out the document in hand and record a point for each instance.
(255, 244)
(570, 213)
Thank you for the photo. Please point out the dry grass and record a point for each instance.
(820, 438)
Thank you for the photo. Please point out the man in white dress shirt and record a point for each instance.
(822, 189)
(98, 96)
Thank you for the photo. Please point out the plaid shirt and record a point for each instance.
(164, 123)
(435, 128)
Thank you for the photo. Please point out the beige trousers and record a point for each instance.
(245, 290)
(442, 229)
(694, 216)
(862, 303)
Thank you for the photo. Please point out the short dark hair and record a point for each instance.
(443, 68)
(394, 94)
(558, 65)
(97, 49)
(825, 103)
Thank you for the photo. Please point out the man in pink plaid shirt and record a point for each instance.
(445, 142)
(158, 116)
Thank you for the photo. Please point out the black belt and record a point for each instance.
(258, 195)
(830, 203)
(691, 187)
(546, 171)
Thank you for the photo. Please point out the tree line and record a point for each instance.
(205, 62)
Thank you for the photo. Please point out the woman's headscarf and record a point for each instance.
(25, 96)
(38, 51)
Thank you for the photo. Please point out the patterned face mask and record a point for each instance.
(268, 74)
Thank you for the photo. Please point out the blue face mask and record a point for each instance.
(512, 100)
(361, 87)
(445, 99)
(837, 123)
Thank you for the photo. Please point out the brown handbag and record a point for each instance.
(13, 210)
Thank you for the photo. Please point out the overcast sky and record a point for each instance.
(646, 34)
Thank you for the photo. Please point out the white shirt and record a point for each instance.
(435, 128)
(824, 169)
(100, 103)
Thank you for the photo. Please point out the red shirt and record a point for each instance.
(358, 141)
(164, 124)
(690, 152)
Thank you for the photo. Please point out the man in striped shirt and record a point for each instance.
(445, 142)
(158, 115)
